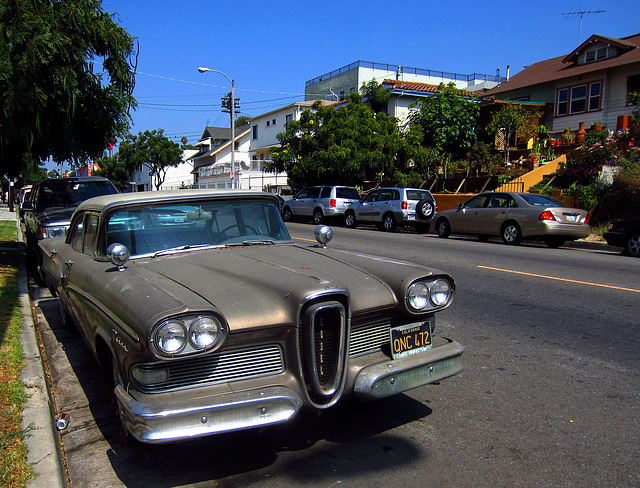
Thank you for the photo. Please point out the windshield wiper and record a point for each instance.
(186, 247)
(258, 242)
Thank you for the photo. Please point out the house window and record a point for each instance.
(579, 99)
(595, 55)
(633, 85)
(288, 117)
(255, 132)
(273, 122)
(268, 123)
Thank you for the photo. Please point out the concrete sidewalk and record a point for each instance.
(38, 418)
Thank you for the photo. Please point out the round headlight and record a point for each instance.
(440, 292)
(418, 296)
(171, 337)
(205, 332)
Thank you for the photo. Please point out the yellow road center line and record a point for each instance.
(560, 279)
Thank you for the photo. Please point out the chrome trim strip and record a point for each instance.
(397, 375)
(155, 420)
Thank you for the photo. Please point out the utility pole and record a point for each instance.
(581, 14)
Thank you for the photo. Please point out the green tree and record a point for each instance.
(66, 77)
(112, 168)
(375, 95)
(345, 145)
(448, 120)
(510, 119)
(242, 120)
(151, 149)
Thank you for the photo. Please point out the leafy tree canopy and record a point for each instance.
(448, 120)
(112, 168)
(375, 95)
(151, 149)
(66, 77)
(346, 145)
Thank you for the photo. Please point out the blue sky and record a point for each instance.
(271, 48)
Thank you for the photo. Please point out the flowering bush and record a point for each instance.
(600, 153)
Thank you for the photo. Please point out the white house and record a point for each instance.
(264, 131)
(337, 84)
(181, 176)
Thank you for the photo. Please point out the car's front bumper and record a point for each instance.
(394, 376)
(157, 419)
(615, 238)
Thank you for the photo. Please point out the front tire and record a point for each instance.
(350, 220)
(633, 246)
(389, 223)
(443, 229)
(286, 214)
(318, 216)
(511, 234)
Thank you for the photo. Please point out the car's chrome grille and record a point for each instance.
(214, 368)
(368, 338)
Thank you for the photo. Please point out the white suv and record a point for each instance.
(320, 203)
(389, 208)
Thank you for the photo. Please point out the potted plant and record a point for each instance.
(596, 125)
(567, 137)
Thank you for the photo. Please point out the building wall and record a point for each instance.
(180, 176)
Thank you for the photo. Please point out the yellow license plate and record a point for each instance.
(410, 339)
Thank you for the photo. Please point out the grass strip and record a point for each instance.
(14, 469)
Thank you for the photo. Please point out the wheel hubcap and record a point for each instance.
(634, 245)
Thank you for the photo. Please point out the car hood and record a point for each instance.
(264, 285)
(56, 215)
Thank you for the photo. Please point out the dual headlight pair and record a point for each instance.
(187, 335)
(426, 295)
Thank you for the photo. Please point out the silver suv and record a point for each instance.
(320, 203)
(389, 208)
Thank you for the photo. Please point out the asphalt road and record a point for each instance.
(549, 395)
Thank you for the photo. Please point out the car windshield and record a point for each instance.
(158, 227)
(541, 200)
(71, 193)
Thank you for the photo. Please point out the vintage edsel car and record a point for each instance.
(212, 319)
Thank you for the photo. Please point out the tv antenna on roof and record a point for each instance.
(581, 13)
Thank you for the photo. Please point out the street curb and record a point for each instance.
(42, 441)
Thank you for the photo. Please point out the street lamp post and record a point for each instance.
(233, 122)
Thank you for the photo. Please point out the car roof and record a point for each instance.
(107, 201)
(74, 179)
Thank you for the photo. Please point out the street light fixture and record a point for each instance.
(233, 122)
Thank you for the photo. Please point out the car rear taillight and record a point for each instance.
(546, 215)
(405, 204)
(332, 202)
(586, 219)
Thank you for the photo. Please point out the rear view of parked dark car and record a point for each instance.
(626, 234)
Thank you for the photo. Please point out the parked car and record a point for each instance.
(51, 204)
(513, 217)
(24, 196)
(229, 324)
(624, 233)
(389, 208)
(320, 203)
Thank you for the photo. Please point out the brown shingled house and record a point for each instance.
(591, 84)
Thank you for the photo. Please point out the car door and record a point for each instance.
(465, 219)
(494, 213)
(366, 209)
(382, 204)
(304, 202)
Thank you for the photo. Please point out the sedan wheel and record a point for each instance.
(350, 220)
(633, 245)
(443, 229)
(286, 214)
(511, 233)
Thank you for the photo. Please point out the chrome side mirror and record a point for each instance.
(118, 254)
(323, 235)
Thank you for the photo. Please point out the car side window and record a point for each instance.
(476, 202)
(326, 192)
(314, 193)
(372, 196)
(76, 233)
(303, 193)
(91, 228)
(386, 195)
